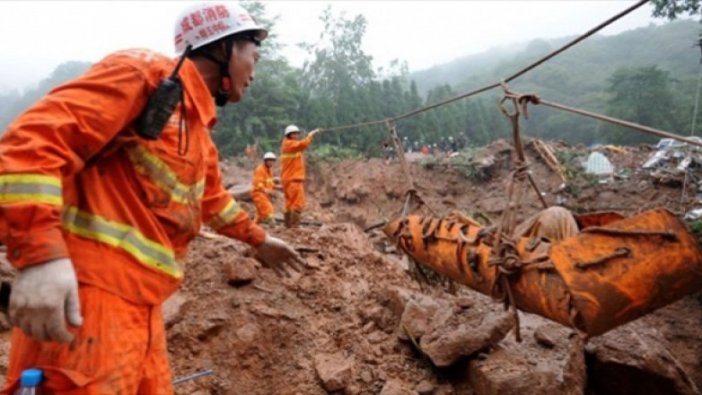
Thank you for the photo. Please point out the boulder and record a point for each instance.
(530, 368)
(333, 370)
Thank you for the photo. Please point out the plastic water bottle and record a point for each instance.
(29, 382)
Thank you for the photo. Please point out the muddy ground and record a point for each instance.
(344, 326)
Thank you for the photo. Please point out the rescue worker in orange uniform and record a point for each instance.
(97, 217)
(292, 172)
(263, 189)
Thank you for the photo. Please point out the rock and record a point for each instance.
(248, 333)
(333, 370)
(464, 302)
(421, 315)
(171, 309)
(528, 368)
(376, 337)
(352, 194)
(679, 324)
(544, 335)
(262, 309)
(504, 373)
(392, 192)
(213, 253)
(352, 389)
(212, 324)
(636, 358)
(449, 343)
(366, 376)
(241, 272)
(370, 312)
(395, 299)
(396, 387)
(425, 388)
(326, 202)
(606, 196)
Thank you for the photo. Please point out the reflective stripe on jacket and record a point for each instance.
(262, 180)
(292, 163)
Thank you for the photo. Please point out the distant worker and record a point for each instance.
(292, 172)
(461, 142)
(263, 189)
(388, 153)
(103, 183)
(453, 145)
(252, 152)
(425, 150)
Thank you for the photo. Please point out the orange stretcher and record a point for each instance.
(611, 272)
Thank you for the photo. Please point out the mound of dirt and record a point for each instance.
(356, 322)
(333, 327)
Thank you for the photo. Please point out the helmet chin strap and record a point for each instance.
(224, 89)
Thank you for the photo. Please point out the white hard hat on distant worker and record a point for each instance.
(269, 155)
(291, 129)
(204, 23)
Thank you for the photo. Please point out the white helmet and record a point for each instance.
(269, 155)
(204, 23)
(291, 129)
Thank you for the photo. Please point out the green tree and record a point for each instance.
(642, 95)
(339, 75)
(672, 9)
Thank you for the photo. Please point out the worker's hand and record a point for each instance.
(279, 256)
(43, 297)
(314, 132)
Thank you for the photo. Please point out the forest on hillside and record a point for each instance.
(647, 75)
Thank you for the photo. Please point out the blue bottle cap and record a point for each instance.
(31, 377)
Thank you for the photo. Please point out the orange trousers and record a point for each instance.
(120, 349)
(264, 207)
(294, 192)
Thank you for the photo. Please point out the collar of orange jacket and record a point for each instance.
(198, 93)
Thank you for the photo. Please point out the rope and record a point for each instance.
(356, 125)
(616, 121)
(504, 256)
(486, 88)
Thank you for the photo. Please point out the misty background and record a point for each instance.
(329, 64)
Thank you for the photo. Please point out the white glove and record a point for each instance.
(278, 255)
(43, 296)
(314, 132)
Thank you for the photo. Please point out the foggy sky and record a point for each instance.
(37, 36)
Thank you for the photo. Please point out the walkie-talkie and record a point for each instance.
(161, 104)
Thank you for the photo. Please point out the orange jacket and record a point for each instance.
(292, 164)
(262, 179)
(76, 181)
